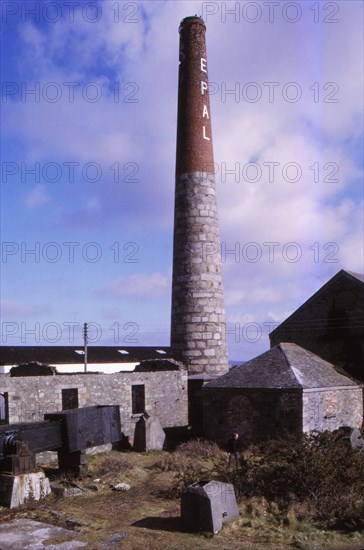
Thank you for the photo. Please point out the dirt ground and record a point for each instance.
(147, 516)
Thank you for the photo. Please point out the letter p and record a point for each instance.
(8, 249)
(8, 169)
(8, 329)
(209, 8)
(9, 8)
(8, 89)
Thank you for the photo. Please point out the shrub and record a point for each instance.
(312, 476)
(191, 462)
(170, 462)
(189, 471)
(319, 472)
(113, 464)
(199, 448)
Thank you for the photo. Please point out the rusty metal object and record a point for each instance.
(20, 460)
(68, 432)
(40, 436)
(88, 427)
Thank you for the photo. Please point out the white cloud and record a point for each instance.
(14, 308)
(139, 285)
(38, 196)
(320, 136)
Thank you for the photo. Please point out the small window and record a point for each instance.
(161, 351)
(69, 399)
(138, 399)
(123, 351)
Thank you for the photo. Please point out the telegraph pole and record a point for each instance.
(85, 345)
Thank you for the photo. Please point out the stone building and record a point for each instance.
(285, 390)
(331, 323)
(158, 387)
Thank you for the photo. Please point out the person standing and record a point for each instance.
(233, 448)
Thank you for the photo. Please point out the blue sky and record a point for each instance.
(88, 163)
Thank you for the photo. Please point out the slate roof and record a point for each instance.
(53, 355)
(284, 366)
(356, 277)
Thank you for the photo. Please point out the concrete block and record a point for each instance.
(206, 505)
(15, 490)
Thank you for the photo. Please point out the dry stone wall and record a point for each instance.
(329, 409)
(268, 414)
(29, 398)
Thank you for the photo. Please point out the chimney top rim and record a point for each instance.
(190, 20)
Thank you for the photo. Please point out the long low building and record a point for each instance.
(156, 386)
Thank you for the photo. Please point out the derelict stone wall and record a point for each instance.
(331, 408)
(257, 415)
(30, 398)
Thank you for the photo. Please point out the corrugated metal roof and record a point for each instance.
(53, 355)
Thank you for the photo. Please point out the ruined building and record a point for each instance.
(158, 387)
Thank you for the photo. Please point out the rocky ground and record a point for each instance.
(145, 514)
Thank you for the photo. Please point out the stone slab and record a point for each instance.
(26, 534)
(149, 434)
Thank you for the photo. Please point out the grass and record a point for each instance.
(147, 516)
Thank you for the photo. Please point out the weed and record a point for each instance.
(198, 448)
(112, 464)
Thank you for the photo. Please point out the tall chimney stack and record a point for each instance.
(198, 326)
